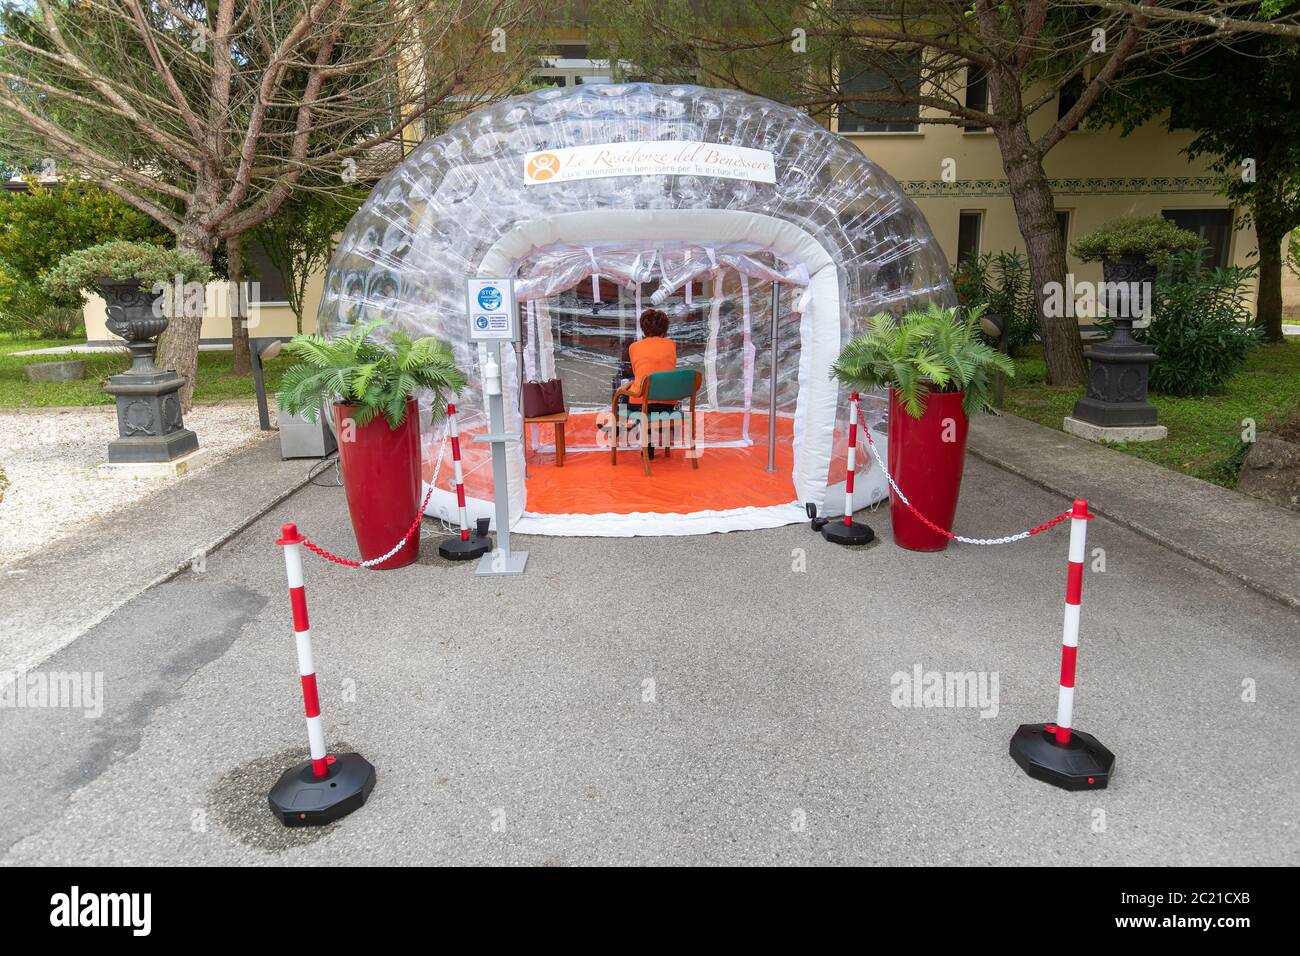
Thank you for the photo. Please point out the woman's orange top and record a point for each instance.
(656, 354)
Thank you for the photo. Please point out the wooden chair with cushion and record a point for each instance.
(661, 388)
(558, 419)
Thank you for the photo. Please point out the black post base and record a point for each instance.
(1109, 414)
(300, 799)
(457, 549)
(1082, 764)
(837, 532)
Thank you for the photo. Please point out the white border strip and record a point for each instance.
(611, 525)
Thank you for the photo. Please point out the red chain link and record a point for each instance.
(930, 524)
(1050, 523)
(330, 556)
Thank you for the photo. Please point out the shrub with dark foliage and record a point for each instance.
(1200, 325)
(1000, 282)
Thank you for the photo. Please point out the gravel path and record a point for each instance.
(51, 458)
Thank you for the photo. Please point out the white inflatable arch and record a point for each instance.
(640, 183)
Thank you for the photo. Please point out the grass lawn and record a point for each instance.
(215, 381)
(1204, 433)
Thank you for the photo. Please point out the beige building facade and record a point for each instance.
(272, 319)
(956, 178)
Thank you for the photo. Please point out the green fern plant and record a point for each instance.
(376, 377)
(920, 352)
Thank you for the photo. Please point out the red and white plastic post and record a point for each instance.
(1057, 753)
(468, 544)
(1073, 605)
(849, 531)
(291, 542)
(299, 797)
(852, 461)
(453, 429)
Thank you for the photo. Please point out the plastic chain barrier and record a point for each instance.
(330, 556)
(437, 465)
(1051, 522)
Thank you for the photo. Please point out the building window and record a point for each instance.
(1212, 225)
(567, 64)
(271, 282)
(565, 72)
(887, 73)
(1180, 115)
(1063, 226)
(977, 93)
(570, 51)
(969, 226)
(1069, 95)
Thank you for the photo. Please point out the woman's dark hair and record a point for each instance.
(654, 322)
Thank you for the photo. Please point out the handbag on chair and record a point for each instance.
(543, 398)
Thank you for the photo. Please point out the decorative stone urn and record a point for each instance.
(1120, 367)
(149, 424)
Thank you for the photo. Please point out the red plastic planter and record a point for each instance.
(927, 468)
(381, 477)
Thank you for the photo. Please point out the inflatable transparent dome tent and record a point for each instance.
(741, 218)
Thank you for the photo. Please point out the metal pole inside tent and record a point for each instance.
(519, 395)
(771, 397)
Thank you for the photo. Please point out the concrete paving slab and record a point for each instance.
(1090, 432)
(1252, 541)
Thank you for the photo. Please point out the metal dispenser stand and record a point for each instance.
(493, 319)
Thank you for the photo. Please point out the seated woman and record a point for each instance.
(653, 353)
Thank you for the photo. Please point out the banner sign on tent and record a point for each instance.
(649, 158)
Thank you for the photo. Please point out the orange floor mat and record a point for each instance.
(727, 477)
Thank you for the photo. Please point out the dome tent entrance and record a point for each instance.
(650, 190)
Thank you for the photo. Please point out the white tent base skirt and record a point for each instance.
(611, 525)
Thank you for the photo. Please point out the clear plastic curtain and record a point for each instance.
(587, 300)
(711, 345)
(559, 268)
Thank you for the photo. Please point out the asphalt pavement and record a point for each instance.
(719, 699)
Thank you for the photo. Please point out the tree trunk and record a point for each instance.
(178, 347)
(1031, 194)
(240, 363)
(1268, 295)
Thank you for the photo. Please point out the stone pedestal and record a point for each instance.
(1120, 368)
(149, 424)
(1118, 372)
